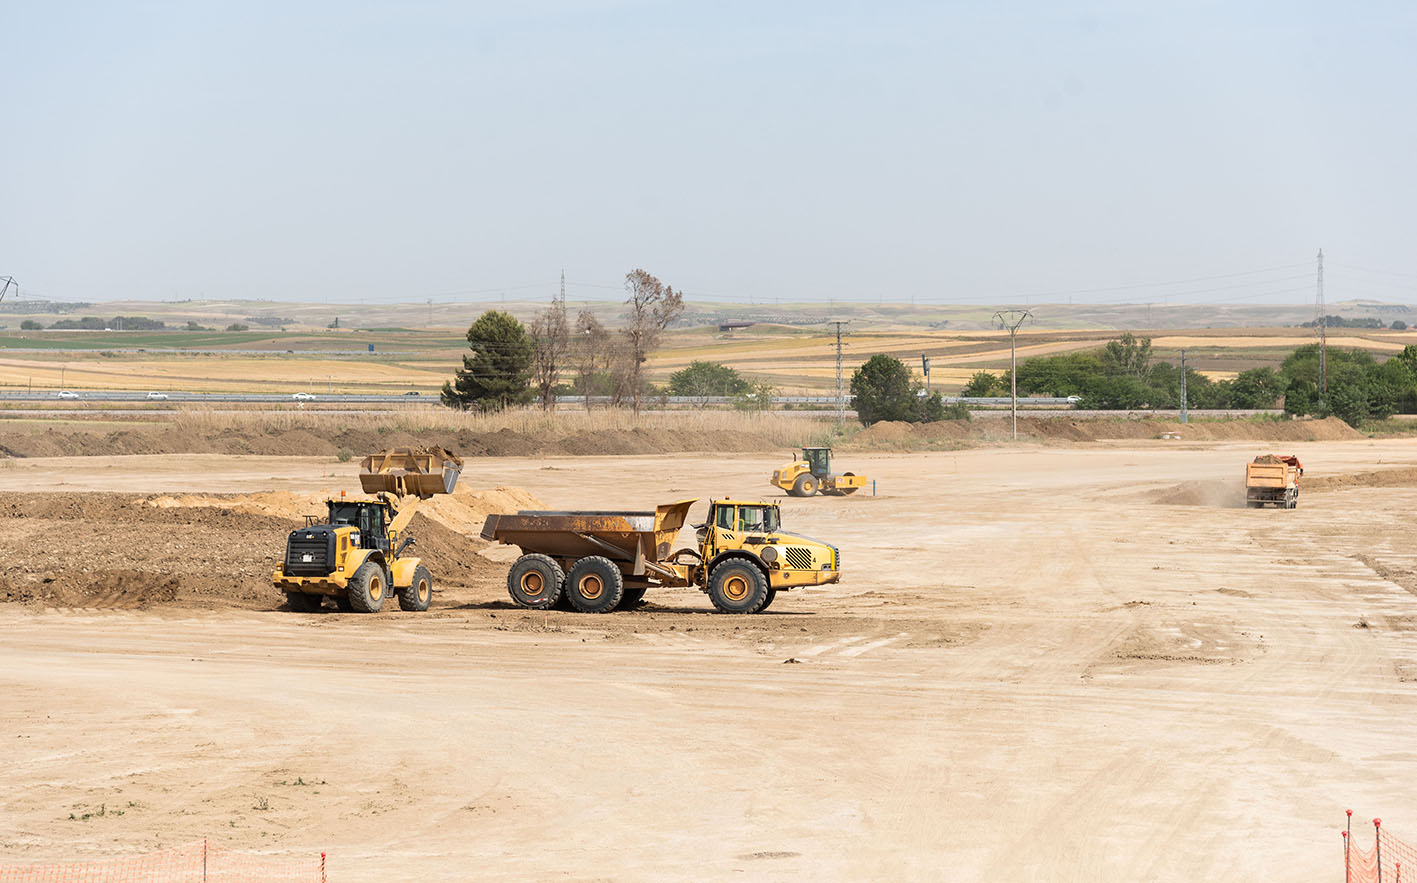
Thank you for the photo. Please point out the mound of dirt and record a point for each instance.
(463, 511)
(910, 436)
(1405, 477)
(127, 550)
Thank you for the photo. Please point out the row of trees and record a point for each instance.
(1123, 375)
(512, 364)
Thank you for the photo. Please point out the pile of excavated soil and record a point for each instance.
(129, 550)
(462, 511)
(909, 436)
(155, 439)
(1405, 477)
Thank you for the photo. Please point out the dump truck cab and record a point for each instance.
(752, 530)
(804, 477)
(356, 555)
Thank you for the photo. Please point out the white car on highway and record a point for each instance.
(67, 394)
(157, 396)
(304, 397)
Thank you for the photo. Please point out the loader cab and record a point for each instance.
(368, 517)
(818, 460)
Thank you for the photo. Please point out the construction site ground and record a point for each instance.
(1042, 663)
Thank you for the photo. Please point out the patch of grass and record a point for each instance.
(300, 782)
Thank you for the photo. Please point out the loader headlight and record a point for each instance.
(768, 554)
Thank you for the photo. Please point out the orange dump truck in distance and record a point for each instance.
(1272, 479)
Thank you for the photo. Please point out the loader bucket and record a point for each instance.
(417, 472)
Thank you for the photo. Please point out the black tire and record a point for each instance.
(368, 588)
(847, 491)
(737, 586)
(805, 485)
(419, 594)
(631, 598)
(595, 585)
(342, 602)
(535, 581)
(302, 602)
(772, 594)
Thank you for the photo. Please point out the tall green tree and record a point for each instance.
(883, 389)
(498, 371)
(701, 380)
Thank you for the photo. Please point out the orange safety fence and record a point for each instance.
(199, 862)
(1386, 862)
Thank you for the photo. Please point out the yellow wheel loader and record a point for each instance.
(601, 561)
(813, 473)
(356, 553)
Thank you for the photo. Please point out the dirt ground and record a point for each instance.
(1042, 663)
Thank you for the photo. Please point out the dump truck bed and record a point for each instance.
(634, 535)
(1276, 475)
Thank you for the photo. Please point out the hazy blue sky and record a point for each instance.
(948, 151)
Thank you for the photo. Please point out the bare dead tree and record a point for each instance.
(550, 337)
(653, 305)
(589, 351)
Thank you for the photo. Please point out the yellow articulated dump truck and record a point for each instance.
(356, 553)
(803, 478)
(602, 561)
(1272, 479)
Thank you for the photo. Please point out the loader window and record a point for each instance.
(344, 513)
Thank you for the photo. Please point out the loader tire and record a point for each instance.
(419, 594)
(535, 581)
(302, 602)
(767, 602)
(342, 603)
(368, 588)
(595, 585)
(805, 485)
(738, 586)
(631, 598)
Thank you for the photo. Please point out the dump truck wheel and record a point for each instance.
(805, 485)
(535, 581)
(631, 598)
(419, 594)
(767, 602)
(595, 585)
(736, 586)
(301, 602)
(367, 588)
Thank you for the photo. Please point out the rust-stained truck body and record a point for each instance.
(605, 560)
(1273, 480)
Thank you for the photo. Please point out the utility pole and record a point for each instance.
(840, 388)
(1011, 320)
(1184, 416)
(925, 368)
(1323, 332)
(6, 282)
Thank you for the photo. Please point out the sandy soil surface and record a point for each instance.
(1041, 664)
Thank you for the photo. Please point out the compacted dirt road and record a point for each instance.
(1041, 664)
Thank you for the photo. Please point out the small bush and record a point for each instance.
(344, 455)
